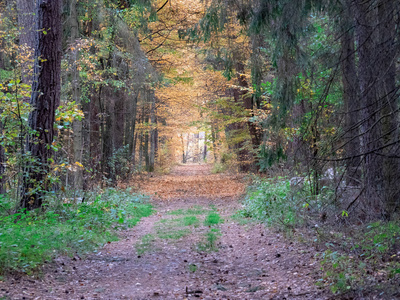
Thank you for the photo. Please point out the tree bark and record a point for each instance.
(107, 139)
(119, 116)
(131, 127)
(26, 23)
(153, 132)
(214, 141)
(94, 129)
(387, 95)
(350, 95)
(376, 36)
(76, 97)
(365, 24)
(44, 101)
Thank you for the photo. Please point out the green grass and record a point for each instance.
(195, 210)
(192, 268)
(213, 218)
(145, 245)
(241, 218)
(209, 242)
(30, 239)
(184, 221)
(190, 220)
(172, 233)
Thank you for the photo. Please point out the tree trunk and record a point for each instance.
(205, 148)
(350, 96)
(44, 101)
(133, 157)
(146, 148)
(95, 128)
(214, 142)
(76, 97)
(387, 95)
(2, 163)
(107, 139)
(372, 168)
(26, 22)
(132, 127)
(119, 116)
(153, 133)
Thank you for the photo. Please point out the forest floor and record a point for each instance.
(190, 248)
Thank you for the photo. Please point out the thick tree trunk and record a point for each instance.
(44, 101)
(387, 95)
(369, 104)
(376, 36)
(350, 96)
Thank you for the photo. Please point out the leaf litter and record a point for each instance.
(247, 261)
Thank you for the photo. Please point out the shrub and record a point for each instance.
(269, 201)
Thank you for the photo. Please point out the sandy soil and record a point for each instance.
(248, 261)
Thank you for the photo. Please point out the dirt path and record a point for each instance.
(184, 251)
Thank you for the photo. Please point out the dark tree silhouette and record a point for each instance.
(44, 101)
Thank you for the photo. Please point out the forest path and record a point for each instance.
(183, 251)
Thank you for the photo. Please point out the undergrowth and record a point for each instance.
(269, 201)
(354, 259)
(31, 238)
(219, 168)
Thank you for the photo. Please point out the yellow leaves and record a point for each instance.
(79, 164)
(58, 167)
(70, 167)
(330, 131)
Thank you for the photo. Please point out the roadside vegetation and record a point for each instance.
(355, 257)
(28, 239)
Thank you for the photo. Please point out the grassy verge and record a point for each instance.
(355, 258)
(30, 239)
